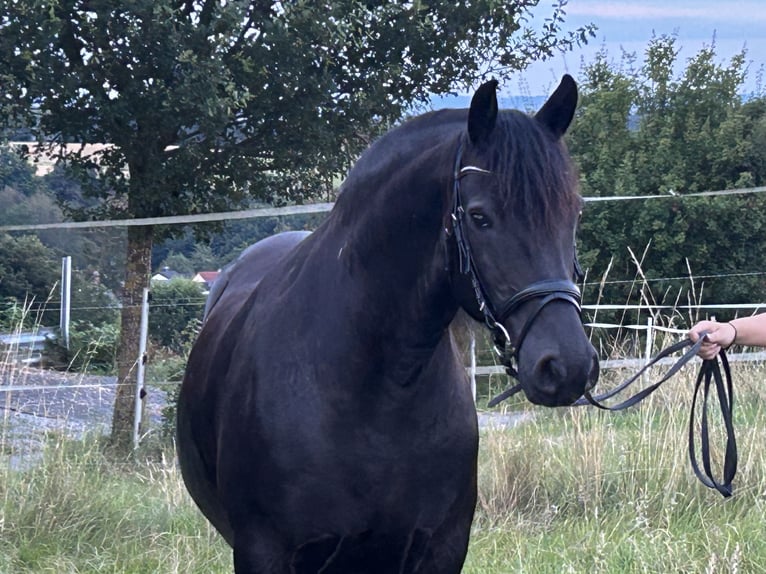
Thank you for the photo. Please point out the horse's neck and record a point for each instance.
(395, 256)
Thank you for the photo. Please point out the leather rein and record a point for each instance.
(550, 290)
(709, 374)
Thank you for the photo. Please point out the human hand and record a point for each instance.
(719, 336)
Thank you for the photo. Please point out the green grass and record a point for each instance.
(574, 490)
(79, 512)
(579, 490)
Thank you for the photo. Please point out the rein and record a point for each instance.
(709, 374)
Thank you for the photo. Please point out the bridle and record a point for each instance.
(566, 290)
(495, 315)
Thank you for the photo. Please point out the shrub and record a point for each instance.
(175, 309)
(92, 348)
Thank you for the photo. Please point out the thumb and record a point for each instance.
(715, 336)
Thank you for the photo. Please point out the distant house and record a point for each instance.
(166, 274)
(206, 278)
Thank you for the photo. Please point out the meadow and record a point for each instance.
(569, 490)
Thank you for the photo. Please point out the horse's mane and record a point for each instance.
(532, 170)
(400, 144)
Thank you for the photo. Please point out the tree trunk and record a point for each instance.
(137, 275)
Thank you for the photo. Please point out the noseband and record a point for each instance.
(495, 315)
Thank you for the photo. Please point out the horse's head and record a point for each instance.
(515, 210)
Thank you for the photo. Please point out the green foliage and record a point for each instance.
(19, 315)
(166, 370)
(29, 199)
(15, 172)
(92, 302)
(175, 311)
(178, 262)
(642, 131)
(28, 272)
(92, 348)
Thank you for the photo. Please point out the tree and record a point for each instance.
(15, 172)
(207, 103)
(645, 131)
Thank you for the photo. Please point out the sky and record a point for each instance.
(629, 25)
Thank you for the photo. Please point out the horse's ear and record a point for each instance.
(558, 111)
(483, 112)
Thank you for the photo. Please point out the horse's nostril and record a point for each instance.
(552, 369)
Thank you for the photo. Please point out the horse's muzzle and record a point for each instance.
(556, 379)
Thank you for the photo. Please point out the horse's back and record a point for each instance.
(237, 281)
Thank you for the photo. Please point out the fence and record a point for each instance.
(474, 369)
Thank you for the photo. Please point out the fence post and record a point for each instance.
(140, 394)
(649, 345)
(66, 294)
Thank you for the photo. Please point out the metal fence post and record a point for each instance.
(66, 292)
(141, 361)
(649, 345)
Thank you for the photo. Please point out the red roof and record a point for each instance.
(208, 276)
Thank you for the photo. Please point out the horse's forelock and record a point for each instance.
(535, 172)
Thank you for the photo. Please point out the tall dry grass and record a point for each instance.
(580, 490)
(569, 490)
(78, 511)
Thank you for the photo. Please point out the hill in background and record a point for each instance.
(524, 103)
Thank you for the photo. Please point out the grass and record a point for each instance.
(574, 490)
(79, 512)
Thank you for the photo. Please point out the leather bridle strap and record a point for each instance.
(709, 373)
(546, 290)
(725, 394)
(596, 401)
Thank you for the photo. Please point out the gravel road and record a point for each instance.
(70, 404)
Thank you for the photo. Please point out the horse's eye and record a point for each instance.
(480, 219)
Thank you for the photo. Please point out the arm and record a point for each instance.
(743, 331)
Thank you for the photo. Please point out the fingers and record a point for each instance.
(709, 351)
(710, 327)
(717, 337)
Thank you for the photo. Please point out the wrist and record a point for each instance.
(734, 334)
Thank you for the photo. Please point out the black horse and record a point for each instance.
(325, 423)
